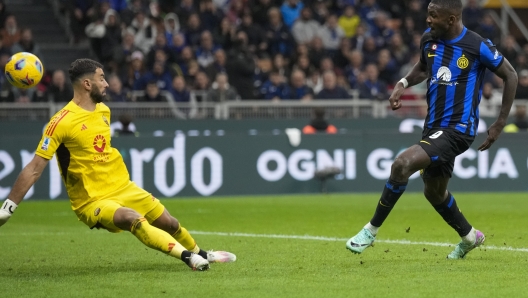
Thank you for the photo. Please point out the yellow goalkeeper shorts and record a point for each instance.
(100, 214)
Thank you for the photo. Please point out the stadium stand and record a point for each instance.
(353, 50)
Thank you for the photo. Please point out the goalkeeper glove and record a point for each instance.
(6, 211)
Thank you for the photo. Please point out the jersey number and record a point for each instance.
(436, 135)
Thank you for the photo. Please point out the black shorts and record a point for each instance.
(443, 145)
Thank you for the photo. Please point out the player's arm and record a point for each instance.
(29, 175)
(417, 75)
(508, 74)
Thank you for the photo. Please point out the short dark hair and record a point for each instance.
(453, 6)
(82, 67)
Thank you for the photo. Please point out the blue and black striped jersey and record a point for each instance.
(456, 70)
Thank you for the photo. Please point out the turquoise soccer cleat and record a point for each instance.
(361, 241)
(462, 248)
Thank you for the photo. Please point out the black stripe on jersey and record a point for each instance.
(63, 157)
(442, 89)
(474, 104)
(460, 93)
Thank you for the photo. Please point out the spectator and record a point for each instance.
(370, 51)
(178, 44)
(319, 124)
(330, 89)
(320, 11)
(259, 11)
(134, 70)
(58, 90)
(235, 12)
(145, 33)
(179, 90)
(186, 61)
(81, 12)
(387, 67)
(27, 44)
(162, 46)
(185, 10)
(134, 7)
(152, 93)
(202, 82)
(10, 33)
(256, 37)
(3, 14)
(490, 101)
(280, 40)
(262, 72)
(172, 27)
(111, 39)
(399, 50)
(6, 94)
(315, 81)
(317, 51)
(331, 34)
(275, 88)
(305, 28)
(224, 34)
(520, 123)
(116, 93)
(358, 40)
(408, 30)
(373, 88)
(368, 12)
(218, 66)
(341, 57)
(303, 64)
(522, 88)
(240, 67)
(123, 52)
(487, 29)
(210, 16)
(508, 48)
(418, 14)
(290, 10)
(349, 21)
(382, 31)
(221, 91)
(124, 127)
(298, 87)
(193, 32)
(159, 74)
(280, 66)
(353, 70)
(205, 53)
(472, 15)
(521, 62)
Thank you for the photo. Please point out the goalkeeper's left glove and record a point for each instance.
(6, 211)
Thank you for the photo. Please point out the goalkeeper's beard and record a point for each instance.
(96, 96)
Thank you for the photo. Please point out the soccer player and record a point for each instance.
(96, 178)
(453, 60)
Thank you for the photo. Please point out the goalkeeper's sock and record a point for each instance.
(156, 239)
(184, 238)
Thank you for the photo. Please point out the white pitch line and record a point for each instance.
(322, 238)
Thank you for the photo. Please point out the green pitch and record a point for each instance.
(287, 246)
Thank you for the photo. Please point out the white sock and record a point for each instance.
(471, 237)
(372, 229)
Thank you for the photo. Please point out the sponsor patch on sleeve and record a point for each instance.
(45, 144)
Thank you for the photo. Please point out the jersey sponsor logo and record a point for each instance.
(101, 157)
(462, 62)
(443, 77)
(84, 127)
(99, 143)
(105, 120)
(45, 144)
(55, 121)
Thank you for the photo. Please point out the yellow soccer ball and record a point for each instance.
(24, 70)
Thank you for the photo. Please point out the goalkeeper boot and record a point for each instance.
(196, 262)
(361, 241)
(464, 247)
(220, 257)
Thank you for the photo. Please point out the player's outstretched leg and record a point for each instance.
(171, 225)
(391, 193)
(448, 209)
(130, 220)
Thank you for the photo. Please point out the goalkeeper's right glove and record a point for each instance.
(6, 211)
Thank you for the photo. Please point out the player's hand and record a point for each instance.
(394, 99)
(493, 134)
(6, 211)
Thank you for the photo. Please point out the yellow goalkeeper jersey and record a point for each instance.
(90, 167)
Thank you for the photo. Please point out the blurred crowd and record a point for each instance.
(253, 49)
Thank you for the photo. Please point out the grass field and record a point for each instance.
(287, 246)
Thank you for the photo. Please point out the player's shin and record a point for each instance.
(184, 237)
(391, 193)
(156, 239)
(452, 215)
